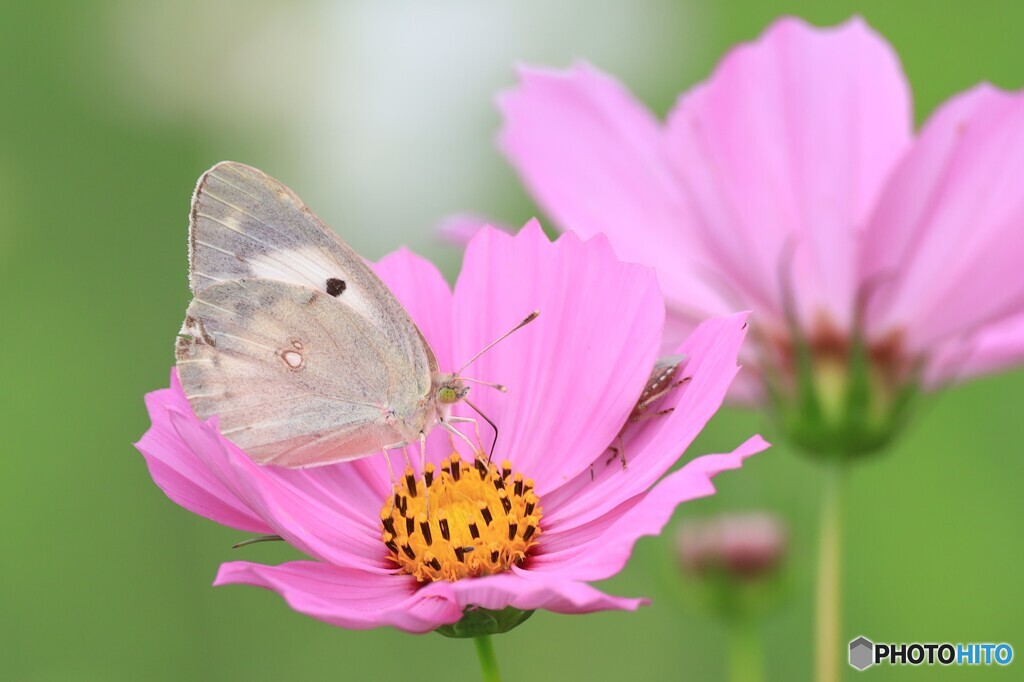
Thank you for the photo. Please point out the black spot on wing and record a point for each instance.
(335, 286)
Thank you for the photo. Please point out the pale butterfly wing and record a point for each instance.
(301, 350)
(295, 378)
(246, 224)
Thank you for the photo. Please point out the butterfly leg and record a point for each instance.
(454, 431)
(423, 473)
(391, 474)
(479, 449)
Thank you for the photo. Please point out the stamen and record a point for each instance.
(410, 481)
(421, 519)
(443, 524)
(474, 525)
(486, 513)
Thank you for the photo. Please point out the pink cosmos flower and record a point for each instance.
(574, 376)
(791, 183)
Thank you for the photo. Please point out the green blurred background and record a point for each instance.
(380, 115)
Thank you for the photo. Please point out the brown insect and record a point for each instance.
(659, 384)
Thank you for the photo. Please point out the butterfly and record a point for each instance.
(302, 352)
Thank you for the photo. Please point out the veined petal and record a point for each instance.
(944, 248)
(994, 347)
(600, 548)
(460, 228)
(573, 373)
(308, 508)
(594, 158)
(346, 597)
(181, 475)
(710, 364)
(783, 152)
(527, 590)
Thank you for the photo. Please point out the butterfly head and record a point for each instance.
(450, 389)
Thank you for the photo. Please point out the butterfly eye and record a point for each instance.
(447, 395)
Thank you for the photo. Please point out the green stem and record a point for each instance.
(488, 661)
(746, 662)
(827, 665)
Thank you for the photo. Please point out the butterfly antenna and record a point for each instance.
(499, 387)
(529, 318)
(488, 420)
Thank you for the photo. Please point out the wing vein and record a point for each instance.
(233, 186)
(245, 340)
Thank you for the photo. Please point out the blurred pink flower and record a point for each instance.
(574, 376)
(790, 183)
(742, 545)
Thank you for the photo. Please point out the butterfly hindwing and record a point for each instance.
(294, 377)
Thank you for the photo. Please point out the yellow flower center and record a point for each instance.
(475, 519)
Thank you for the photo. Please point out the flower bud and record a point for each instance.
(732, 564)
(743, 546)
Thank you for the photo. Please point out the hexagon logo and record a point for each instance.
(862, 653)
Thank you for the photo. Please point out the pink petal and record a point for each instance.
(993, 348)
(527, 590)
(573, 374)
(945, 247)
(180, 475)
(783, 152)
(459, 229)
(601, 548)
(594, 158)
(421, 288)
(302, 506)
(711, 365)
(345, 597)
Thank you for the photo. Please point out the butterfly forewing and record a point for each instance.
(297, 346)
(246, 224)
